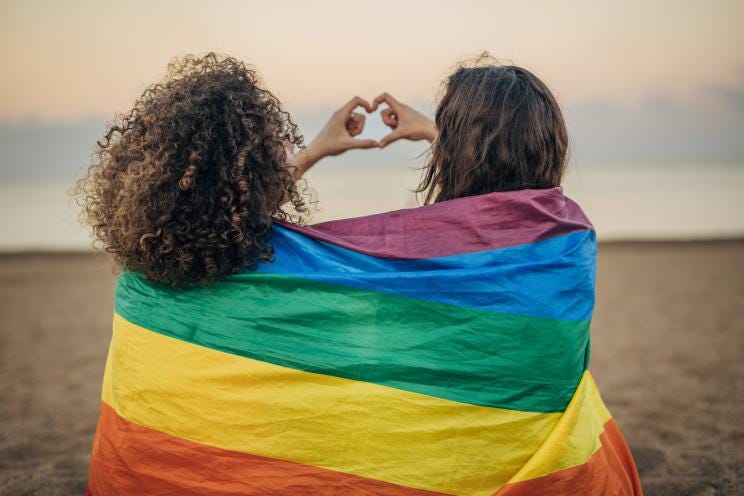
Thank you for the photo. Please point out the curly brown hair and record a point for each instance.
(184, 187)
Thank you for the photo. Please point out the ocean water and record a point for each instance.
(623, 202)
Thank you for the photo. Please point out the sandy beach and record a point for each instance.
(668, 341)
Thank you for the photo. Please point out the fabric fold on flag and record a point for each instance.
(437, 350)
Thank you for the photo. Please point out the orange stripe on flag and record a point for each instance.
(610, 470)
(136, 460)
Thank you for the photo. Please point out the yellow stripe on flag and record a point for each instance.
(240, 404)
(575, 437)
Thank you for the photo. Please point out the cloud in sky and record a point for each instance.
(705, 130)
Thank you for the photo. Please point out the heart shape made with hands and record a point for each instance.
(341, 132)
(390, 116)
(363, 110)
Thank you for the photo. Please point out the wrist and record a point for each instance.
(431, 132)
(306, 158)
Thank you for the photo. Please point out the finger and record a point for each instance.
(355, 124)
(389, 138)
(352, 120)
(386, 98)
(389, 118)
(368, 143)
(354, 103)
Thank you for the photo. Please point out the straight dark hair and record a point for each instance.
(500, 129)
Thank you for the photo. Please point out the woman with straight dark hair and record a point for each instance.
(497, 128)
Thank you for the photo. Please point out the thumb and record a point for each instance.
(389, 138)
(366, 143)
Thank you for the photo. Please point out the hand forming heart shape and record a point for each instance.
(338, 135)
(405, 121)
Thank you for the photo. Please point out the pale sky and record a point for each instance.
(652, 92)
(72, 60)
(639, 82)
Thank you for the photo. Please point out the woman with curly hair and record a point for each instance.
(185, 187)
(437, 350)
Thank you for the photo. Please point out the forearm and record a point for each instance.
(304, 159)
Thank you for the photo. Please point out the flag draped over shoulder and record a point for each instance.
(436, 350)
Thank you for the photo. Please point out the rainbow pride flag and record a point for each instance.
(436, 350)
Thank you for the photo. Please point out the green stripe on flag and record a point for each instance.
(460, 354)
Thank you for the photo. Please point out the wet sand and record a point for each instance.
(668, 348)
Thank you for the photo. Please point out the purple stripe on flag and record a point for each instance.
(465, 225)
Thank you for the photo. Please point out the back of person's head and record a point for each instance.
(184, 187)
(500, 129)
